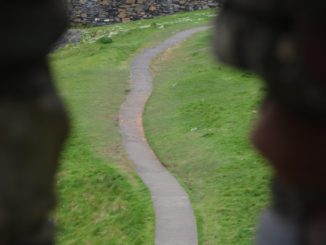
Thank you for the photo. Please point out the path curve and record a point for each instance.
(175, 220)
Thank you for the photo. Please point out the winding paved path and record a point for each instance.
(175, 220)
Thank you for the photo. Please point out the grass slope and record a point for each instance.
(102, 201)
(197, 122)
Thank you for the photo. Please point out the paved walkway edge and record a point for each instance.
(175, 220)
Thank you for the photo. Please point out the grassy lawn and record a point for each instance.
(101, 200)
(197, 121)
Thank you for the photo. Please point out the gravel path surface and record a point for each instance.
(175, 220)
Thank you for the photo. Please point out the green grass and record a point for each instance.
(198, 121)
(101, 200)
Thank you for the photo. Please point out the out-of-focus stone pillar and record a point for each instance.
(33, 122)
(285, 42)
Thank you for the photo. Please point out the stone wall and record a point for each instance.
(113, 11)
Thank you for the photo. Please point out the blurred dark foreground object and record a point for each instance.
(285, 42)
(33, 123)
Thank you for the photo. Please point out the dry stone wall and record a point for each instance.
(113, 11)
